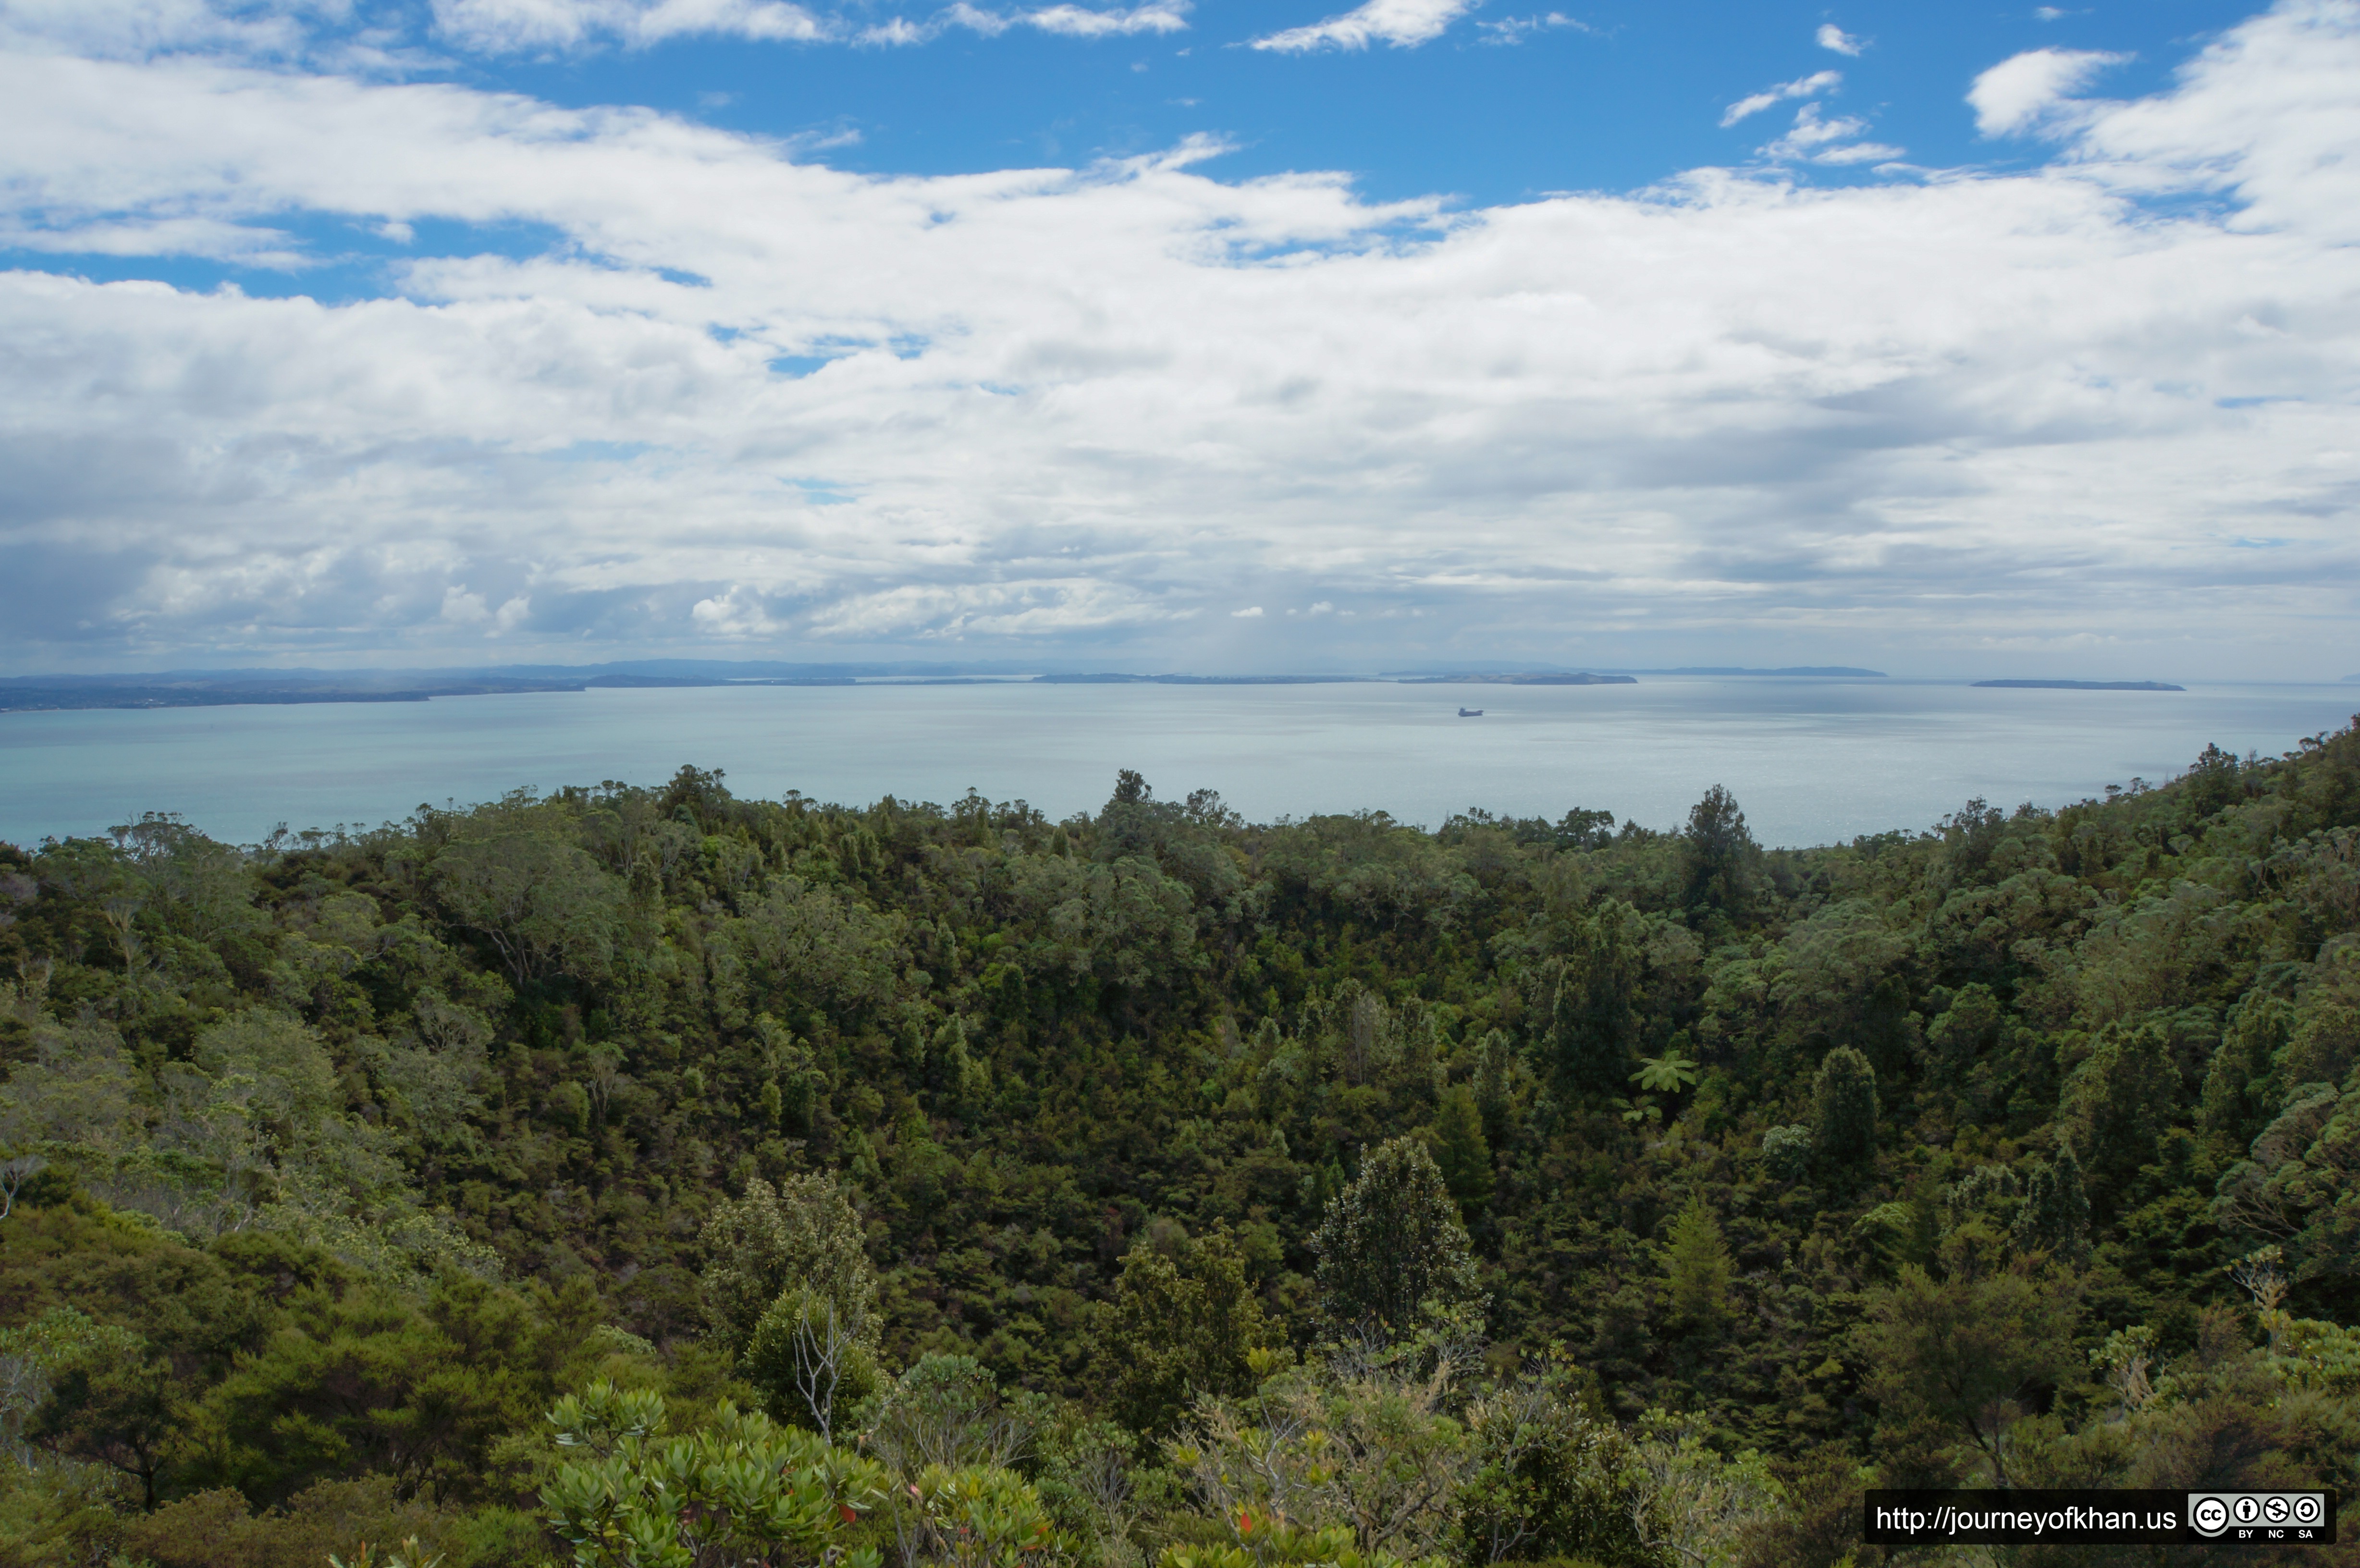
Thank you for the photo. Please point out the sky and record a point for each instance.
(1948, 339)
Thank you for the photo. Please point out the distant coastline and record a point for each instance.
(29, 695)
(1112, 679)
(227, 688)
(1534, 678)
(1478, 671)
(2083, 685)
(239, 688)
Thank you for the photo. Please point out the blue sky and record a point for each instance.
(1631, 94)
(1938, 337)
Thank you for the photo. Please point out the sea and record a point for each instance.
(1811, 760)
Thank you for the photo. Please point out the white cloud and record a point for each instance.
(1025, 608)
(1079, 22)
(463, 608)
(1858, 152)
(1250, 612)
(901, 30)
(1816, 140)
(2032, 90)
(1404, 24)
(1801, 87)
(1517, 29)
(1831, 36)
(1070, 21)
(327, 32)
(736, 615)
(1960, 411)
(503, 26)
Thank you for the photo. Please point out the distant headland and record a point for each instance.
(1477, 673)
(1522, 678)
(2084, 685)
(238, 687)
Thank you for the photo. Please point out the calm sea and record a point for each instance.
(1812, 761)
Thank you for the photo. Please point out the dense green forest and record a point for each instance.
(653, 1176)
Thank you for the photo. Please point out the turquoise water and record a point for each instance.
(1812, 761)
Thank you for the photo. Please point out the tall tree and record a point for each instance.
(1969, 1354)
(2055, 1217)
(1843, 1109)
(1594, 1019)
(802, 1232)
(1391, 1242)
(1718, 854)
(2116, 1105)
(1461, 1150)
(1181, 1326)
(1696, 1268)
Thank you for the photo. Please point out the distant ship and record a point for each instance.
(1470, 712)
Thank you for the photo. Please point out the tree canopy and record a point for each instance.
(1159, 1186)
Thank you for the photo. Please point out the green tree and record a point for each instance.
(367, 1379)
(735, 1491)
(1969, 1353)
(1719, 858)
(1179, 1327)
(108, 1400)
(801, 1233)
(544, 905)
(945, 1412)
(1495, 1083)
(1368, 1447)
(1461, 1150)
(1594, 1019)
(1696, 1268)
(1843, 1108)
(2055, 1217)
(809, 1363)
(2116, 1105)
(984, 1516)
(1391, 1242)
(1551, 1480)
(2237, 1102)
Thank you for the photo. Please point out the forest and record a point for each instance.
(649, 1176)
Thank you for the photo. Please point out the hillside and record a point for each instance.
(339, 1160)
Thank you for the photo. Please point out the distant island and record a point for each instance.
(1198, 680)
(56, 693)
(1807, 670)
(1477, 673)
(224, 688)
(2084, 685)
(1525, 678)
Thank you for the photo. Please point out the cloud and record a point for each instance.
(735, 401)
(1816, 140)
(1517, 29)
(1250, 612)
(2031, 91)
(736, 616)
(1068, 21)
(1404, 24)
(1831, 36)
(323, 32)
(496, 26)
(1801, 87)
(1079, 22)
(1025, 608)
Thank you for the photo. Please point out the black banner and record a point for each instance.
(1993, 1518)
